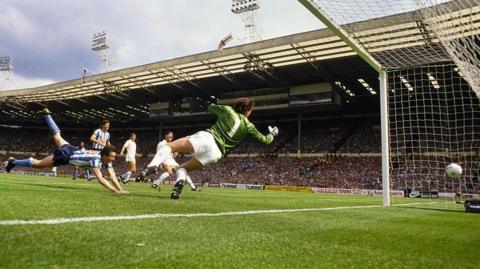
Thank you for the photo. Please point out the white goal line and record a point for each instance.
(186, 215)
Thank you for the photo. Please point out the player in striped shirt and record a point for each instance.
(209, 146)
(101, 137)
(81, 147)
(68, 154)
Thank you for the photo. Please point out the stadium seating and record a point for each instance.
(270, 164)
(339, 154)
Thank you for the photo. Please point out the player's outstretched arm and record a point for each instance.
(217, 109)
(103, 181)
(259, 137)
(123, 148)
(114, 180)
(93, 139)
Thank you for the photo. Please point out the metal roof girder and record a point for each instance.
(225, 73)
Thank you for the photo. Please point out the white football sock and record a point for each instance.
(181, 174)
(161, 178)
(126, 176)
(190, 182)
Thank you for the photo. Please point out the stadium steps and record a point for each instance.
(346, 135)
(282, 144)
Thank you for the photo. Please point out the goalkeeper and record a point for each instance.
(209, 146)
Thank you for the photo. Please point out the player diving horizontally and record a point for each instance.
(171, 164)
(67, 154)
(209, 146)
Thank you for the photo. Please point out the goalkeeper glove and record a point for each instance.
(208, 100)
(212, 99)
(273, 130)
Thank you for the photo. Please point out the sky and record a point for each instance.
(49, 40)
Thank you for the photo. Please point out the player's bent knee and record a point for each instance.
(181, 145)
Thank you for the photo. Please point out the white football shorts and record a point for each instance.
(206, 150)
(130, 158)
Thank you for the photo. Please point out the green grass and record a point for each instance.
(396, 237)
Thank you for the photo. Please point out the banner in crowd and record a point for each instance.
(393, 193)
(464, 195)
(287, 188)
(228, 185)
(212, 185)
(254, 187)
(241, 186)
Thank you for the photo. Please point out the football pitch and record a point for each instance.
(60, 223)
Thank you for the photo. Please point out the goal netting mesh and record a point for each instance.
(430, 50)
(433, 123)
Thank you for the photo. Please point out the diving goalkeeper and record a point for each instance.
(209, 146)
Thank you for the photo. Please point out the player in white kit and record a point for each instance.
(170, 164)
(130, 147)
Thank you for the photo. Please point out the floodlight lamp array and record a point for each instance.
(6, 63)
(99, 41)
(240, 6)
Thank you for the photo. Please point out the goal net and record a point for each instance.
(434, 120)
(430, 51)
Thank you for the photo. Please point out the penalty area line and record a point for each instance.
(178, 215)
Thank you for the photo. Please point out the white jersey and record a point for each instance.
(131, 148)
(100, 135)
(170, 160)
(161, 144)
(89, 158)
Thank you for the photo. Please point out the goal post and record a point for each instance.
(427, 55)
(337, 30)
(385, 143)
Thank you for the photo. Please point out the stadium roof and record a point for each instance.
(279, 63)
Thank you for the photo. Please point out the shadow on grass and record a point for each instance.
(152, 195)
(53, 186)
(157, 195)
(433, 209)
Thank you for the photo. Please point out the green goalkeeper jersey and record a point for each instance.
(232, 128)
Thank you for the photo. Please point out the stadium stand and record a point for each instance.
(277, 163)
(334, 153)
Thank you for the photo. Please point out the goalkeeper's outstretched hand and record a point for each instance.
(273, 130)
(212, 100)
(208, 100)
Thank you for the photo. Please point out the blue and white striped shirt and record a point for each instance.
(89, 158)
(100, 135)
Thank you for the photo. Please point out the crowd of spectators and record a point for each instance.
(315, 137)
(337, 163)
(335, 172)
(338, 172)
(365, 138)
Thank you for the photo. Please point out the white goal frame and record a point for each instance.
(338, 31)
